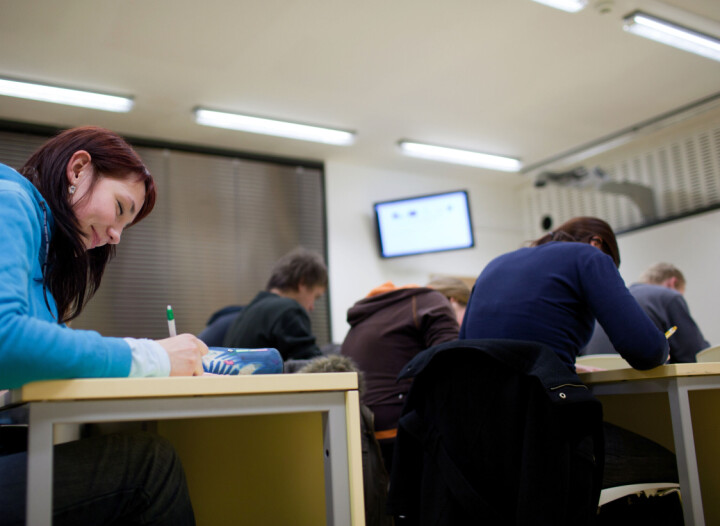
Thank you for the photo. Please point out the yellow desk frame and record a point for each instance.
(691, 396)
(333, 396)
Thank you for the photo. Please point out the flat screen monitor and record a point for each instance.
(429, 223)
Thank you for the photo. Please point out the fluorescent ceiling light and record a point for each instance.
(660, 30)
(72, 97)
(571, 6)
(290, 130)
(452, 155)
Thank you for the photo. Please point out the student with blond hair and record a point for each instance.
(660, 292)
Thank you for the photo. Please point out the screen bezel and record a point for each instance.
(378, 231)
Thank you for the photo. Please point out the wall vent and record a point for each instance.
(684, 172)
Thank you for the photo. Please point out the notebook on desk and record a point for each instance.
(232, 361)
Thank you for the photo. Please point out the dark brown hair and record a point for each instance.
(581, 230)
(72, 274)
(299, 267)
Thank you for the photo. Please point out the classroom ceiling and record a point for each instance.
(509, 77)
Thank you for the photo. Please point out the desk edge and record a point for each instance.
(105, 388)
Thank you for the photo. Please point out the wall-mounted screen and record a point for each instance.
(429, 223)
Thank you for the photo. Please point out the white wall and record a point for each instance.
(692, 245)
(354, 264)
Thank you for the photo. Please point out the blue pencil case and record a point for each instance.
(224, 360)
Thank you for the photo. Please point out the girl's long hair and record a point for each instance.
(72, 273)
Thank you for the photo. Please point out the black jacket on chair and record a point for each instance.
(496, 432)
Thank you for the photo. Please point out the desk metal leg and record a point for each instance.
(337, 487)
(354, 430)
(685, 453)
(40, 467)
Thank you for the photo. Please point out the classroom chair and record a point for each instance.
(649, 490)
(653, 503)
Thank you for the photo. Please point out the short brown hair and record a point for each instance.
(299, 267)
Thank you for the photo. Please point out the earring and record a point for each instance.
(71, 189)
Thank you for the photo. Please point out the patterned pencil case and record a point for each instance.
(224, 360)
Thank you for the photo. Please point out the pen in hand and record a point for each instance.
(171, 322)
(185, 351)
(670, 331)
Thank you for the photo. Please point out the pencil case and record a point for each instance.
(228, 360)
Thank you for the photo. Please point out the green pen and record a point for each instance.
(171, 321)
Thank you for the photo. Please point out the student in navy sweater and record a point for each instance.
(552, 292)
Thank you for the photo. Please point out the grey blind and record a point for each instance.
(218, 226)
(15, 148)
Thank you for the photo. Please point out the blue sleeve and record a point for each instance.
(32, 346)
(687, 340)
(630, 330)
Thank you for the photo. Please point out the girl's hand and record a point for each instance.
(185, 352)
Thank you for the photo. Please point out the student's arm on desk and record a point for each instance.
(631, 331)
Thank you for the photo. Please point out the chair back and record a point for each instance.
(649, 490)
(604, 361)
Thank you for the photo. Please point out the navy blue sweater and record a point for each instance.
(552, 294)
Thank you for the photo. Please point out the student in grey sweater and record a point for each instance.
(660, 294)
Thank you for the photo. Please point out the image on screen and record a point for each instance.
(430, 223)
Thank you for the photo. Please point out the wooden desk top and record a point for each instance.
(664, 371)
(104, 388)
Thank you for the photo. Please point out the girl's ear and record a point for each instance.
(76, 165)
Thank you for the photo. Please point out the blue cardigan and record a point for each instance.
(552, 294)
(33, 346)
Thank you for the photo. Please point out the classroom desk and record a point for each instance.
(333, 395)
(692, 397)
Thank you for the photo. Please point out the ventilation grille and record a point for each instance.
(684, 173)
